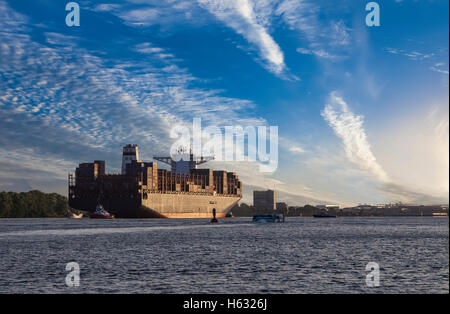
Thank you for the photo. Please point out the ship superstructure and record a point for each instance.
(130, 153)
(184, 163)
(144, 191)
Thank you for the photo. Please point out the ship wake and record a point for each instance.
(99, 231)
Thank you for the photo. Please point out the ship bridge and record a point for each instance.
(186, 162)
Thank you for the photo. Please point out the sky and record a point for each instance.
(362, 112)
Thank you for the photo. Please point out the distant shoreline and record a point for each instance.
(37, 204)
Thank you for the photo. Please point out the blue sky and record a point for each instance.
(362, 111)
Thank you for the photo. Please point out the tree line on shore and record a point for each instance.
(36, 204)
(245, 210)
(32, 204)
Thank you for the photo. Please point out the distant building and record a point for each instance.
(351, 211)
(282, 206)
(264, 200)
(396, 210)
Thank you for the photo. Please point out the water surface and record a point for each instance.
(303, 255)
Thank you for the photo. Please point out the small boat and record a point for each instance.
(76, 216)
(100, 213)
(324, 215)
(268, 218)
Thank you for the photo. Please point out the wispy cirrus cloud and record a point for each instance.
(296, 149)
(349, 128)
(440, 67)
(321, 53)
(142, 13)
(248, 18)
(106, 7)
(325, 39)
(413, 55)
(242, 17)
(148, 48)
(251, 19)
(301, 16)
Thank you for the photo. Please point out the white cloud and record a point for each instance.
(349, 127)
(296, 150)
(106, 7)
(300, 15)
(147, 16)
(323, 37)
(148, 48)
(252, 19)
(290, 145)
(339, 34)
(436, 69)
(138, 13)
(318, 53)
(240, 15)
(413, 55)
(421, 57)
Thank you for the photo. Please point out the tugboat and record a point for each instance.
(100, 213)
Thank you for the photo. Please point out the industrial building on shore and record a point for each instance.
(265, 200)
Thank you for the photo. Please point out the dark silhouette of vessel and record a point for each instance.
(144, 191)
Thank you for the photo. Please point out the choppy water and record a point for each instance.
(303, 255)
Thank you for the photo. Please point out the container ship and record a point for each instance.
(144, 191)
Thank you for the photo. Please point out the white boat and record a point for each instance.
(76, 216)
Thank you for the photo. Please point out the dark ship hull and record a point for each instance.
(159, 205)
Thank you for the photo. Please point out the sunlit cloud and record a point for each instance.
(240, 16)
(349, 127)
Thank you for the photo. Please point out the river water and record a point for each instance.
(302, 255)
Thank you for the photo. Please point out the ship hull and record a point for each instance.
(163, 205)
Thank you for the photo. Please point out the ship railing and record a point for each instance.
(190, 193)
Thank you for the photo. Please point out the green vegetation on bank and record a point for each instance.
(32, 204)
